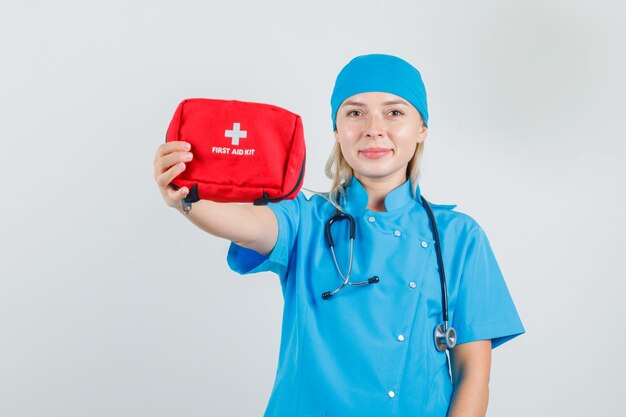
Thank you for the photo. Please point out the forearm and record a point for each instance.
(470, 398)
(244, 224)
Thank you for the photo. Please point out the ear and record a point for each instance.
(422, 133)
(336, 134)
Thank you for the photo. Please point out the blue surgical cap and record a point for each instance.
(380, 73)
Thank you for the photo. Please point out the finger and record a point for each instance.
(166, 177)
(165, 162)
(176, 195)
(173, 146)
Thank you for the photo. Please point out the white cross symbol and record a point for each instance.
(235, 134)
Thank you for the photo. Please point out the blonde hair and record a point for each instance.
(338, 170)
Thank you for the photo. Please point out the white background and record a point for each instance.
(113, 304)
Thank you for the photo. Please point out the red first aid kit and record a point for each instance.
(242, 151)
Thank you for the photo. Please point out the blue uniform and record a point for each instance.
(369, 351)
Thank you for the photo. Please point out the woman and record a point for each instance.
(368, 350)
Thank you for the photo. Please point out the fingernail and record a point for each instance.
(181, 165)
(187, 146)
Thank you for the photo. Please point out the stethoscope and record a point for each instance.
(444, 335)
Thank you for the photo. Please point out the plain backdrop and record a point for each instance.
(113, 304)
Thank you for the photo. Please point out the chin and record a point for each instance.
(376, 169)
(374, 174)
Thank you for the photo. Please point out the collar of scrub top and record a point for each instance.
(357, 197)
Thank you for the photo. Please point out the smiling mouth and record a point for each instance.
(375, 153)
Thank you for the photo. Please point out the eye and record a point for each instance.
(354, 113)
(396, 113)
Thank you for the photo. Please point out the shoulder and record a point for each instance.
(449, 218)
(303, 205)
(301, 199)
(312, 199)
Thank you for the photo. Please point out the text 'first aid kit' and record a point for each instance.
(242, 151)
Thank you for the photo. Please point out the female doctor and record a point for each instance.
(367, 348)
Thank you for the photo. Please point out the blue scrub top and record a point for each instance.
(369, 351)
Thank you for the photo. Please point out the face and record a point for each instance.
(378, 134)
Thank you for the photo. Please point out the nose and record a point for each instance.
(375, 126)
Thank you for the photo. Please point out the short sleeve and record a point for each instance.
(247, 261)
(484, 308)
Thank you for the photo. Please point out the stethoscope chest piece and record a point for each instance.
(445, 338)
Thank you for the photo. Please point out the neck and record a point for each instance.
(378, 188)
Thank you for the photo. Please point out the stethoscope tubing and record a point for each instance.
(442, 273)
(445, 336)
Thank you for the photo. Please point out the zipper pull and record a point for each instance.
(186, 206)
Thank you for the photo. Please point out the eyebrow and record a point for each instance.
(386, 103)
